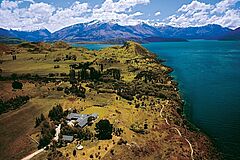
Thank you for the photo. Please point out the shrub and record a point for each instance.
(56, 66)
(59, 88)
(17, 85)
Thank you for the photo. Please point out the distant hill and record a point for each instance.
(33, 36)
(5, 33)
(97, 31)
(233, 35)
(10, 40)
(7, 38)
(207, 32)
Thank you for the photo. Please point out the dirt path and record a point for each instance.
(33, 154)
(190, 145)
(58, 129)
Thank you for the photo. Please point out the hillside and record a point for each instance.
(125, 85)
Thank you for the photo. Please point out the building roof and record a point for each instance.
(82, 119)
(67, 138)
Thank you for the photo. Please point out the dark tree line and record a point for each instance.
(13, 103)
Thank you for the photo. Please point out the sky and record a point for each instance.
(57, 14)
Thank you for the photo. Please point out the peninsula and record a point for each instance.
(64, 102)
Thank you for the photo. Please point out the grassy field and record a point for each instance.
(17, 127)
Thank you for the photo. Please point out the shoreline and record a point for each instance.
(184, 115)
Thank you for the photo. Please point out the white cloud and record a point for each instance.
(223, 6)
(195, 6)
(121, 5)
(157, 13)
(43, 15)
(199, 14)
(9, 4)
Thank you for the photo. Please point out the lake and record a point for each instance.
(208, 73)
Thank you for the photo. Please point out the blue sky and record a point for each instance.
(56, 14)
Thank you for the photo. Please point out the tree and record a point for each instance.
(94, 74)
(104, 129)
(72, 76)
(17, 85)
(37, 122)
(101, 65)
(74, 152)
(14, 76)
(42, 117)
(56, 113)
(116, 74)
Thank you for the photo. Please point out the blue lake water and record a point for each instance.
(208, 73)
(92, 46)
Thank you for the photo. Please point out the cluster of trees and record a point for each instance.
(85, 72)
(114, 72)
(47, 134)
(70, 57)
(56, 113)
(117, 131)
(48, 128)
(15, 76)
(104, 129)
(39, 120)
(89, 74)
(80, 133)
(79, 91)
(126, 94)
(148, 76)
(35, 77)
(14, 57)
(13, 103)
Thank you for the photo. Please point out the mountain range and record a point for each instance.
(96, 31)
